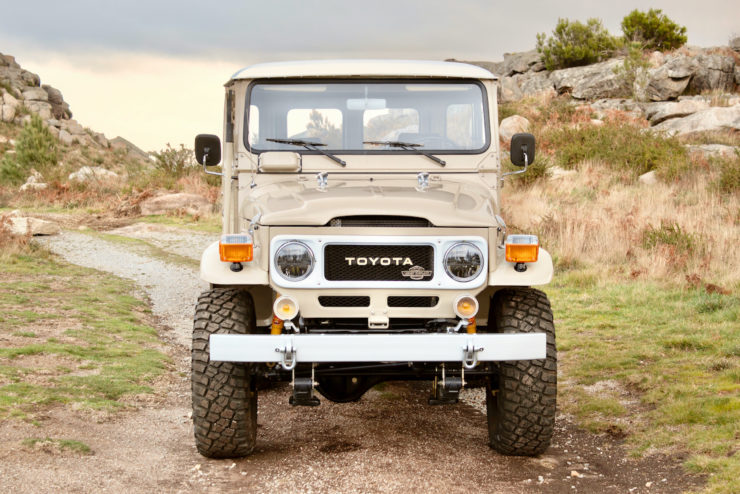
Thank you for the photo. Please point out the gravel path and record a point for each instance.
(389, 441)
(172, 289)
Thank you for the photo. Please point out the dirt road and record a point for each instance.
(390, 441)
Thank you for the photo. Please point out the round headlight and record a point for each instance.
(463, 261)
(294, 261)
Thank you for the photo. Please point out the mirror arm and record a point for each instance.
(205, 167)
(517, 172)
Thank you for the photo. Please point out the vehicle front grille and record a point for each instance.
(412, 301)
(338, 301)
(351, 262)
(380, 221)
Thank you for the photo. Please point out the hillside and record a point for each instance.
(50, 160)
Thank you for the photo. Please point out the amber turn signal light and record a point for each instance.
(522, 248)
(236, 248)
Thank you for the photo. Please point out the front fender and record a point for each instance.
(537, 273)
(216, 272)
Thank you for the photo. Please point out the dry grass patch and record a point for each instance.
(664, 231)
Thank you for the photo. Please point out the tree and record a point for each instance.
(573, 44)
(653, 29)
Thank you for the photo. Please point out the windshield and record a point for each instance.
(367, 116)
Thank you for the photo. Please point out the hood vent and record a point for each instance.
(380, 221)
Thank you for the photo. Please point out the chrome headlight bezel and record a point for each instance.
(311, 257)
(445, 261)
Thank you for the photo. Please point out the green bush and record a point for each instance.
(573, 44)
(633, 71)
(653, 29)
(621, 146)
(669, 234)
(174, 162)
(35, 148)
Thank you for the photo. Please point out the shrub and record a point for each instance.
(633, 71)
(573, 44)
(620, 145)
(653, 29)
(669, 234)
(729, 174)
(536, 172)
(35, 148)
(174, 162)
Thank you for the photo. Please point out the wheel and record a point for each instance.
(224, 393)
(521, 396)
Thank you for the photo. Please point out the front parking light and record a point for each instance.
(466, 306)
(285, 308)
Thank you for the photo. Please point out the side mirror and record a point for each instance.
(208, 149)
(522, 149)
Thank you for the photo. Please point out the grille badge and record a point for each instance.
(416, 273)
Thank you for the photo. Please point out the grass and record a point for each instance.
(672, 358)
(211, 224)
(71, 337)
(146, 248)
(60, 444)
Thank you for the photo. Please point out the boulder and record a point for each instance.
(34, 182)
(648, 178)
(8, 61)
(557, 173)
(73, 127)
(735, 44)
(534, 83)
(41, 108)
(737, 75)
(35, 94)
(519, 63)
(508, 90)
(714, 118)
(714, 150)
(661, 111)
(59, 108)
(93, 173)
(512, 125)
(712, 72)
(669, 80)
(190, 203)
(7, 113)
(65, 137)
(32, 226)
(603, 107)
(9, 99)
(590, 82)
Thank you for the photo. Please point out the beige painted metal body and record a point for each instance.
(278, 193)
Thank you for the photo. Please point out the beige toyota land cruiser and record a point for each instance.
(362, 242)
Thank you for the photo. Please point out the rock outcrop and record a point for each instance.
(20, 88)
(668, 76)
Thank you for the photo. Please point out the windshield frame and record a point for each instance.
(394, 151)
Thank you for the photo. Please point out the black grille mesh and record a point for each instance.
(380, 221)
(338, 301)
(365, 263)
(412, 301)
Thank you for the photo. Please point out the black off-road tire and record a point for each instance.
(521, 397)
(224, 393)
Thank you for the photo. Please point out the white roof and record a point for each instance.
(363, 68)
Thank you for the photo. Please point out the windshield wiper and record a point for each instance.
(310, 145)
(408, 146)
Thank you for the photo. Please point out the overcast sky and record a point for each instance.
(152, 71)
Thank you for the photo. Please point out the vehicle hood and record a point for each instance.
(448, 203)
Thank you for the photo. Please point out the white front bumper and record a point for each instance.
(377, 347)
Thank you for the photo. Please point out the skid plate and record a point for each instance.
(377, 347)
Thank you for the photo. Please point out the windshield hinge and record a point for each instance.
(323, 180)
(423, 180)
